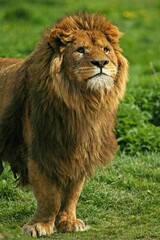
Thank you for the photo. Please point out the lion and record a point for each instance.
(57, 115)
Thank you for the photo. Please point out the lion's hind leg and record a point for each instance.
(66, 220)
(48, 203)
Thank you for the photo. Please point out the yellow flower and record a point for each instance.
(5, 28)
(129, 15)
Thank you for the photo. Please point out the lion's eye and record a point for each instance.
(81, 50)
(106, 50)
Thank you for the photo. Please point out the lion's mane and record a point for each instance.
(70, 131)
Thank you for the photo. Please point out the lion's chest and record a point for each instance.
(69, 144)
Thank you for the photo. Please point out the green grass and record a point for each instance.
(121, 202)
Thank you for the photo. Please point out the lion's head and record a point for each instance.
(87, 57)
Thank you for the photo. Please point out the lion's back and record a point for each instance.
(6, 62)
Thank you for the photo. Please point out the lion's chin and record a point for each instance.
(100, 82)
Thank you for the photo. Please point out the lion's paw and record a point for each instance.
(38, 229)
(75, 225)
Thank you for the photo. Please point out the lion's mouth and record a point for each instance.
(98, 75)
(100, 81)
(102, 72)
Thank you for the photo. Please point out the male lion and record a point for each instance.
(57, 115)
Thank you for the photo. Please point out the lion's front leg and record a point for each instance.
(48, 203)
(66, 220)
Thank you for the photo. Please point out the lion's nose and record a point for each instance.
(100, 63)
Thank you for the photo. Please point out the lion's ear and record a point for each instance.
(58, 38)
(113, 35)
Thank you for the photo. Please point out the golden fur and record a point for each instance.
(57, 115)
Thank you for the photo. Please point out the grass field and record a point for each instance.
(119, 203)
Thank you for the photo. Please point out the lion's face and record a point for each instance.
(90, 60)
